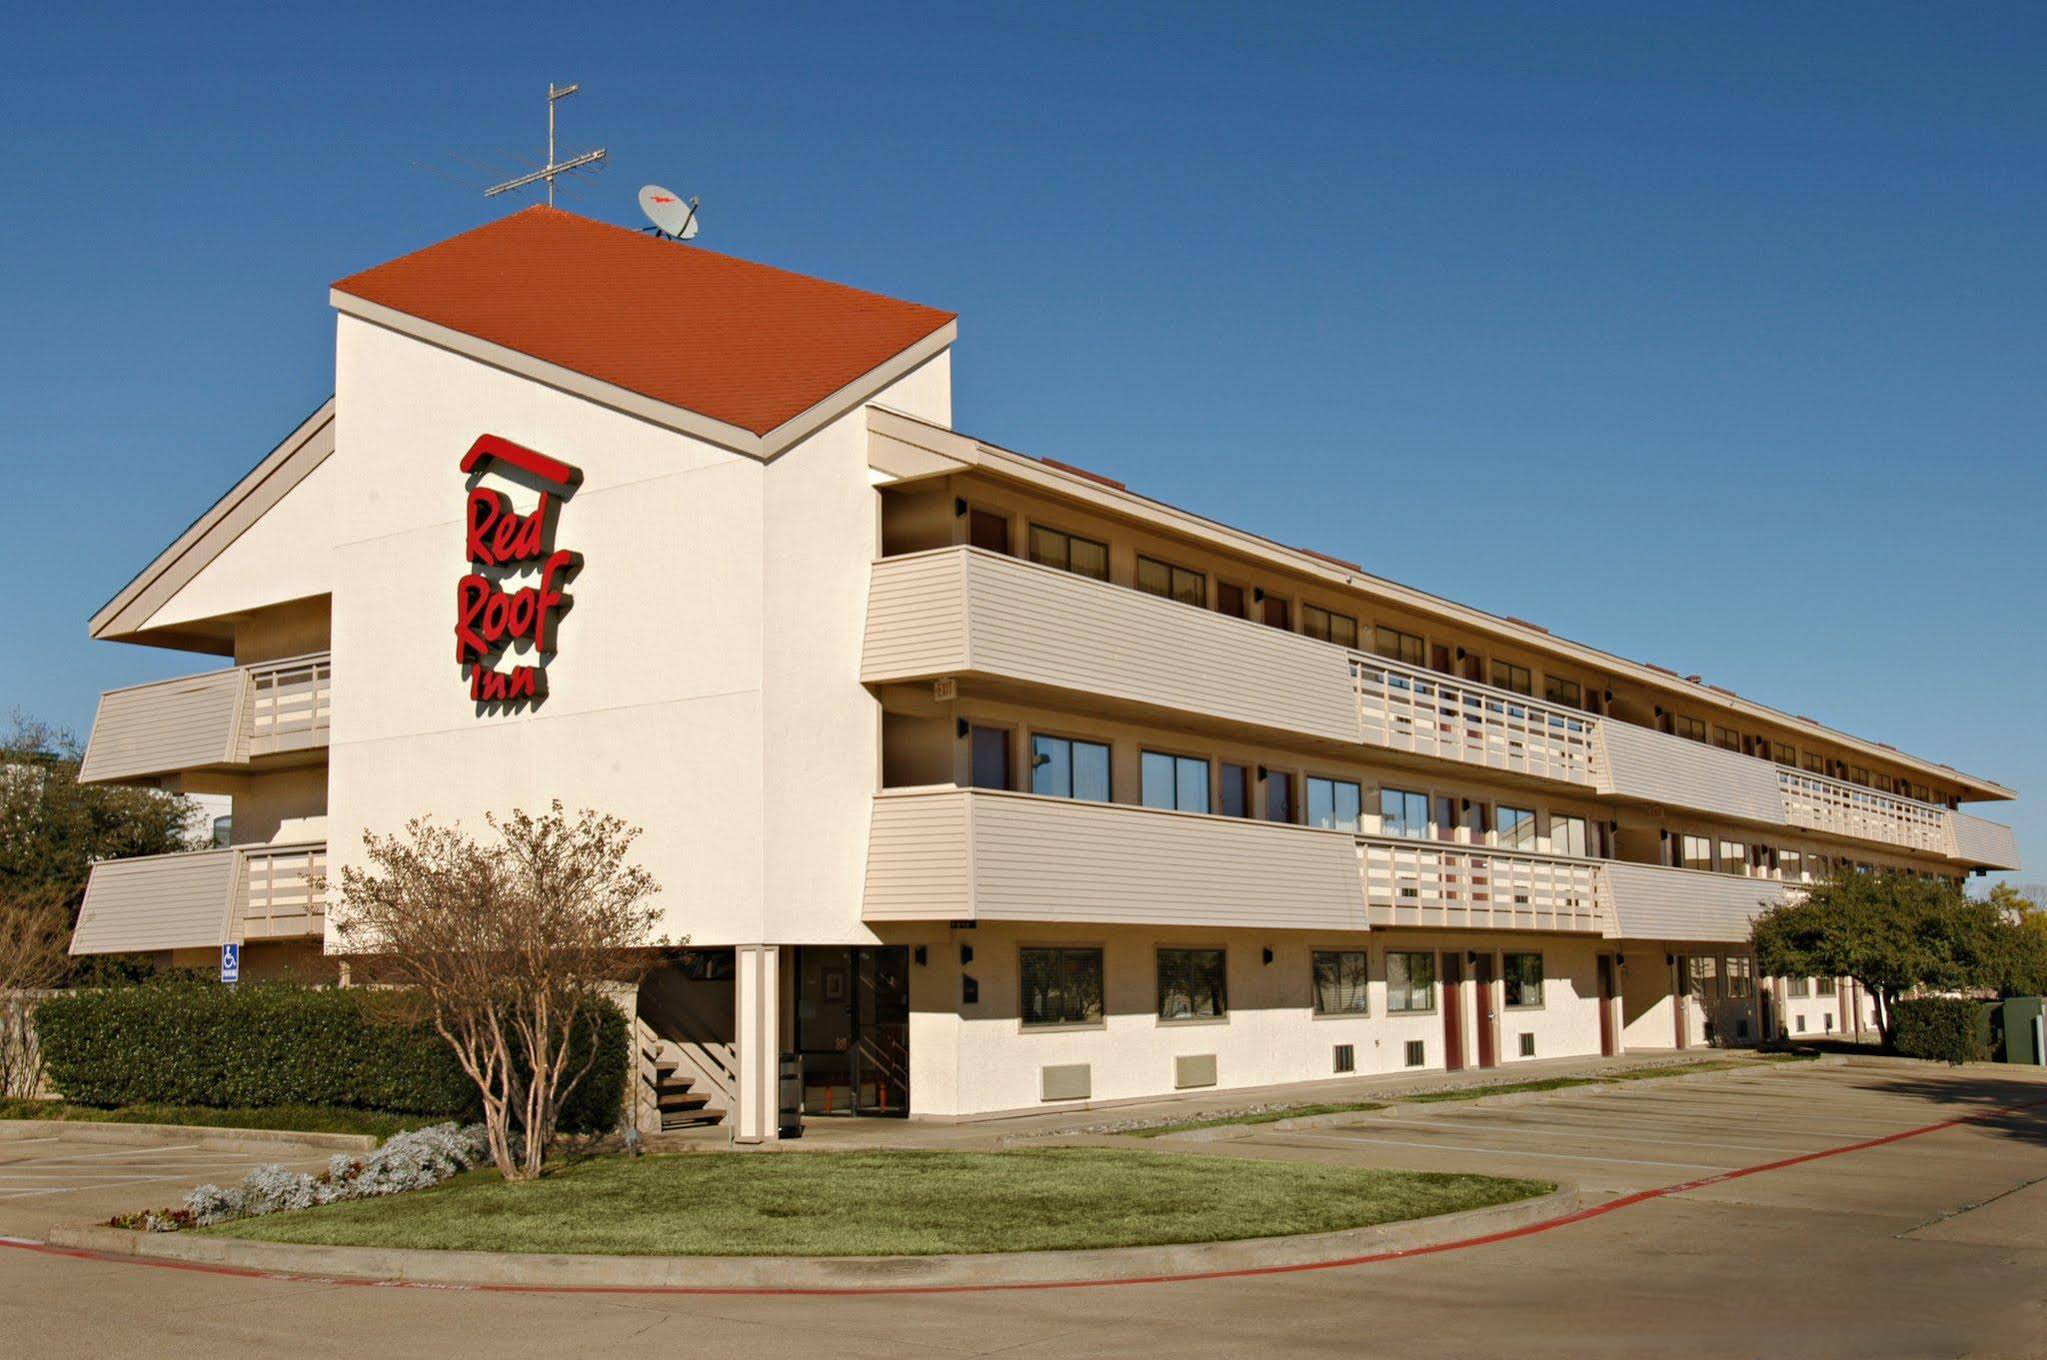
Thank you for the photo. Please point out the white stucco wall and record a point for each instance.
(287, 554)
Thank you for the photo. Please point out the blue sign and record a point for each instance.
(230, 963)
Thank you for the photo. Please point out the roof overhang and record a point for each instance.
(904, 448)
(125, 617)
(726, 436)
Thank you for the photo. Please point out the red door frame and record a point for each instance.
(1606, 990)
(1485, 1017)
(1453, 1011)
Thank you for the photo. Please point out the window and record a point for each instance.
(1881, 782)
(1410, 981)
(1741, 978)
(1517, 828)
(1784, 755)
(1696, 852)
(1703, 975)
(1233, 796)
(1081, 556)
(990, 749)
(1191, 984)
(1324, 626)
(1279, 795)
(1403, 814)
(986, 529)
(1858, 775)
(1733, 857)
(1792, 862)
(1175, 583)
(1797, 987)
(1507, 675)
(1070, 769)
(1340, 977)
(1727, 739)
(1692, 729)
(1521, 974)
(1815, 762)
(1558, 690)
(1566, 835)
(1062, 986)
(1179, 783)
(1229, 599)
(1823, 986)
(1399, 646)
(1333, 804)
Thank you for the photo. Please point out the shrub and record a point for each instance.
(1938, 1027)
(184, 1042)
(414, 1160)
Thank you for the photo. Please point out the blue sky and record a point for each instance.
(1742, 304)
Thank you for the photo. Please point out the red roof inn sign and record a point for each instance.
(513, 593)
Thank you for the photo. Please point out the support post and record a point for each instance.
(758, 1030)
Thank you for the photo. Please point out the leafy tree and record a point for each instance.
(53, 828)
(508, 946)
(1891, 932)
(2026, 971)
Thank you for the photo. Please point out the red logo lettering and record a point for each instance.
(492, 610)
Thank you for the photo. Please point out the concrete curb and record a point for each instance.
(282, 1141)
(1394, 1104)
(852, 1273)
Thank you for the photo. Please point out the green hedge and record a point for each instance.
(262, 1044)
(1938, 1027)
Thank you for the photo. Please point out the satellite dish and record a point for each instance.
(672, 215)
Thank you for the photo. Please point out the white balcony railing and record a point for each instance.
(202, 899)
(1819, 803)
(280, 894)
(1404, 708)
(1445, 884)
(214, 721)
(288, 704)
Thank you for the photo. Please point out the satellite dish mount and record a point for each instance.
(673, 216)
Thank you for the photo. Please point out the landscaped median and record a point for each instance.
(837, 1219)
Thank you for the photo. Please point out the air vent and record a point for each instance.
(1346, 1057)
(1197, 1069)
(1417, 1053)
(1528, 1045)
(1073, 1081)
(1799, 1021)
(1741, 1028)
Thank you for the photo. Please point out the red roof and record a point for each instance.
(739, 342)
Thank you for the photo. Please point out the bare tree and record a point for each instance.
(32, 961)
(506, 945)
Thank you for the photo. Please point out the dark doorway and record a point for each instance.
(1606, 1037)
(986, 529)
(853, 1029)
(1487, 1018)
(1453, 1012)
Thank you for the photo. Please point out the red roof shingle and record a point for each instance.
(742, 343)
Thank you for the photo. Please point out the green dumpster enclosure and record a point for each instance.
(2021, 1035)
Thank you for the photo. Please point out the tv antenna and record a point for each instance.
(553, 167)
(674, 217)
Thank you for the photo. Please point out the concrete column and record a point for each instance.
(757, 1032)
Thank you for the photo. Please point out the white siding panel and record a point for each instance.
(1661, 768)
(1653, 903)
(1987, 843)
(157, 902)
(1053, 859)
(165, 727)
(916, 618)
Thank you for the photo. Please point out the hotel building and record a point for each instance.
(980, 780)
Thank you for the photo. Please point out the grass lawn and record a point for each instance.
(1257, 1117)
(884, 1203)
(291, 1118)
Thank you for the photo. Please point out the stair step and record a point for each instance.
(680, 1100)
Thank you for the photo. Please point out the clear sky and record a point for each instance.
(1708, 334)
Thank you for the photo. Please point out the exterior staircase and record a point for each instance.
(674, 1089)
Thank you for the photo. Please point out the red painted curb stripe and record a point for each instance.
(1243, 1272)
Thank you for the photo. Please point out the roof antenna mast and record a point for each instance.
(553, 167)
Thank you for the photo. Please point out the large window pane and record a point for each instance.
(1070, 769)
(1178, 783)
(1333, 804)
(1522, 977)
(1391, 642)
(1191, 781)
(1566, 835)
(1062, 986)
(1082, 556)
(1517, 827)
(1340, 982)
(1402, 813)
(1191, 984)
(1410, 981)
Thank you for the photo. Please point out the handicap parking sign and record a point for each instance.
(230, 963)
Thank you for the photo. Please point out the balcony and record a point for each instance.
(203, 899)
(1027, 631)
(221, 721)
(1437, 884)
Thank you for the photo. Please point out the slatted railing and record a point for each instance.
(1405, 708)
(1819, 803)
(1427, 883)
(280, 893)
(288, 704)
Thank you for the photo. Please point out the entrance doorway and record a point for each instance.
(1453, 1011)
(1487, 1020)
(1606, 993)
(853, 1029)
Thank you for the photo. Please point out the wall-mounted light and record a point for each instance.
(1670, 960)
(966, 955)
(1620, 960)
(1659, 710)
(961, 727)
(1268, 957)
(1471, 957)
(920, 956)
(1264, 773)
(1466, 807)
(959, 507)
(1257, 594)
(1614, 827)
(1460, 654)
(1609, 696)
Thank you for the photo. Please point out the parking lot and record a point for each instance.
(72, 1175)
